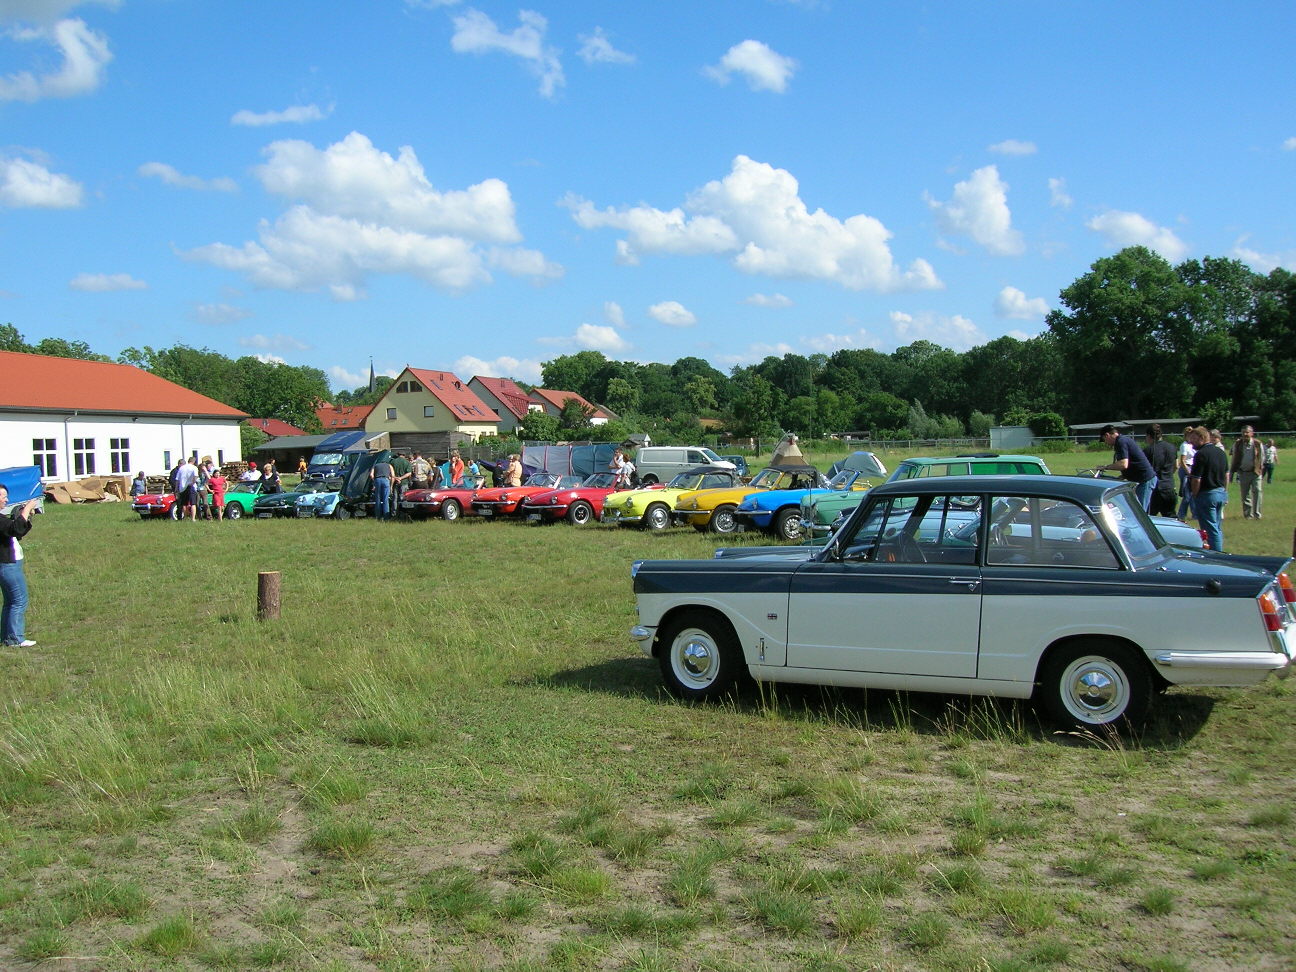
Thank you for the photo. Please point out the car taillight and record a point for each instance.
(1288, 590)
(1205, 541)
(1271, 610)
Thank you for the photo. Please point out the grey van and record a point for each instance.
(661, 464)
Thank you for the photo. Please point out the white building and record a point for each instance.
(78, 418)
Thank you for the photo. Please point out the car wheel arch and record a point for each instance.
(1128, 659)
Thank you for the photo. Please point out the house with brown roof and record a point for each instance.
(505, 398)
(75, 418)
(273, 427)
(553, 402)
(339, 418)
(431, 411)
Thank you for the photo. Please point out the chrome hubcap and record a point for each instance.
(694, 658)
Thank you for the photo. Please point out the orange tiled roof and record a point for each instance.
(41, 383)
(511, 396)
(559, 398)
(275, 427)
(335, 418)
(455, 395)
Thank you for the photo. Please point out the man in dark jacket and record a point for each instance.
(1161, 456)
(1129, 460)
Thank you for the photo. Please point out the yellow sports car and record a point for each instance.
(713, 509)
(650, 508)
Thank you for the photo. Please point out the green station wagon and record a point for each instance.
(819, 511)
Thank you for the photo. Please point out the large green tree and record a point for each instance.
(1125, 339)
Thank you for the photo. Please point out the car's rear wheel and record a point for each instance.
(1091, 683)
(787, 524)
(656, 517)
(580, 513)
(451, 510)
(341, 513)
(723, 520)
(233, 511)
(699, 656)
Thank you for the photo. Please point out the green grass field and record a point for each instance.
(447, 754)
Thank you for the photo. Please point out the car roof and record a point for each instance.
(1082, 489)
(984, 456)
(705, 470)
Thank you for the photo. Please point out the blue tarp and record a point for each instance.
(23, 483)
(570, 460)
(348, 440)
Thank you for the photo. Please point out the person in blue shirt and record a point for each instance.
(1129, 460)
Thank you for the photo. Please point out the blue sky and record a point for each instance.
(485, 186)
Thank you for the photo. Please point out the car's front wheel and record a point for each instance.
(723, 520)
(787, 524)
(1095, 684)
(580, 513)
(699, 656)
(656, 518)
(233, 511)
(451, 510)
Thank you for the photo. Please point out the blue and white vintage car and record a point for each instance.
(1059, 589)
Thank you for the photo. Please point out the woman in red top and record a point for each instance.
(217, 484)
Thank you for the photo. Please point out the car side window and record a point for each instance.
(1038, 532)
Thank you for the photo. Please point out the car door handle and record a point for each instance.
(971, 583)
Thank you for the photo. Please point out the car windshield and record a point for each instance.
(1130, 524)
(711, 455)
(549, 480)
(850, 479)
(773, 478)
(600, 480)
(326, 459)
(246, 488)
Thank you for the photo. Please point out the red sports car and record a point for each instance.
(152, 505)
(578, 505)
(505, 500)
(448, 503)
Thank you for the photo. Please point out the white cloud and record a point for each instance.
(597, 49)
(1058, 196)
(979, 209)
(272, 342)
(503, 367)
(43, 11)
(85, 57)
(828, 343)
(613, 314)
(590, 337)
(24, 183)
(345, 380)
(1013, 303)
(476, 33)
(1290, 144)
(755, 216)
(1122, 229)
(173, 177)
(103, 283)
(764, 69)
(1013, 146)
(296, 115)
(768, 300)
(360, 211)
(1264, 262)
(957, 332)
(220, 313)
(524, 263)
(753, 353)
(672, 313)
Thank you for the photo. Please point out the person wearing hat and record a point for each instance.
(252, 474)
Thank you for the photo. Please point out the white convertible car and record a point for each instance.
(1054, 588)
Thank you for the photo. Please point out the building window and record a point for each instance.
(119, 455)
(45, 456)
(408, 386)
(429, 411)
(83, 460)
(166, 459)
(391, 415)
(220, 457)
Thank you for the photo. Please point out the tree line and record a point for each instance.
(1135, 337)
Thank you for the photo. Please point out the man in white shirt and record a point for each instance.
(187, 489)
(1184, 464)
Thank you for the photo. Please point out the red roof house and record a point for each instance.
(336, 418)
(553, 402)
(274, 427)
